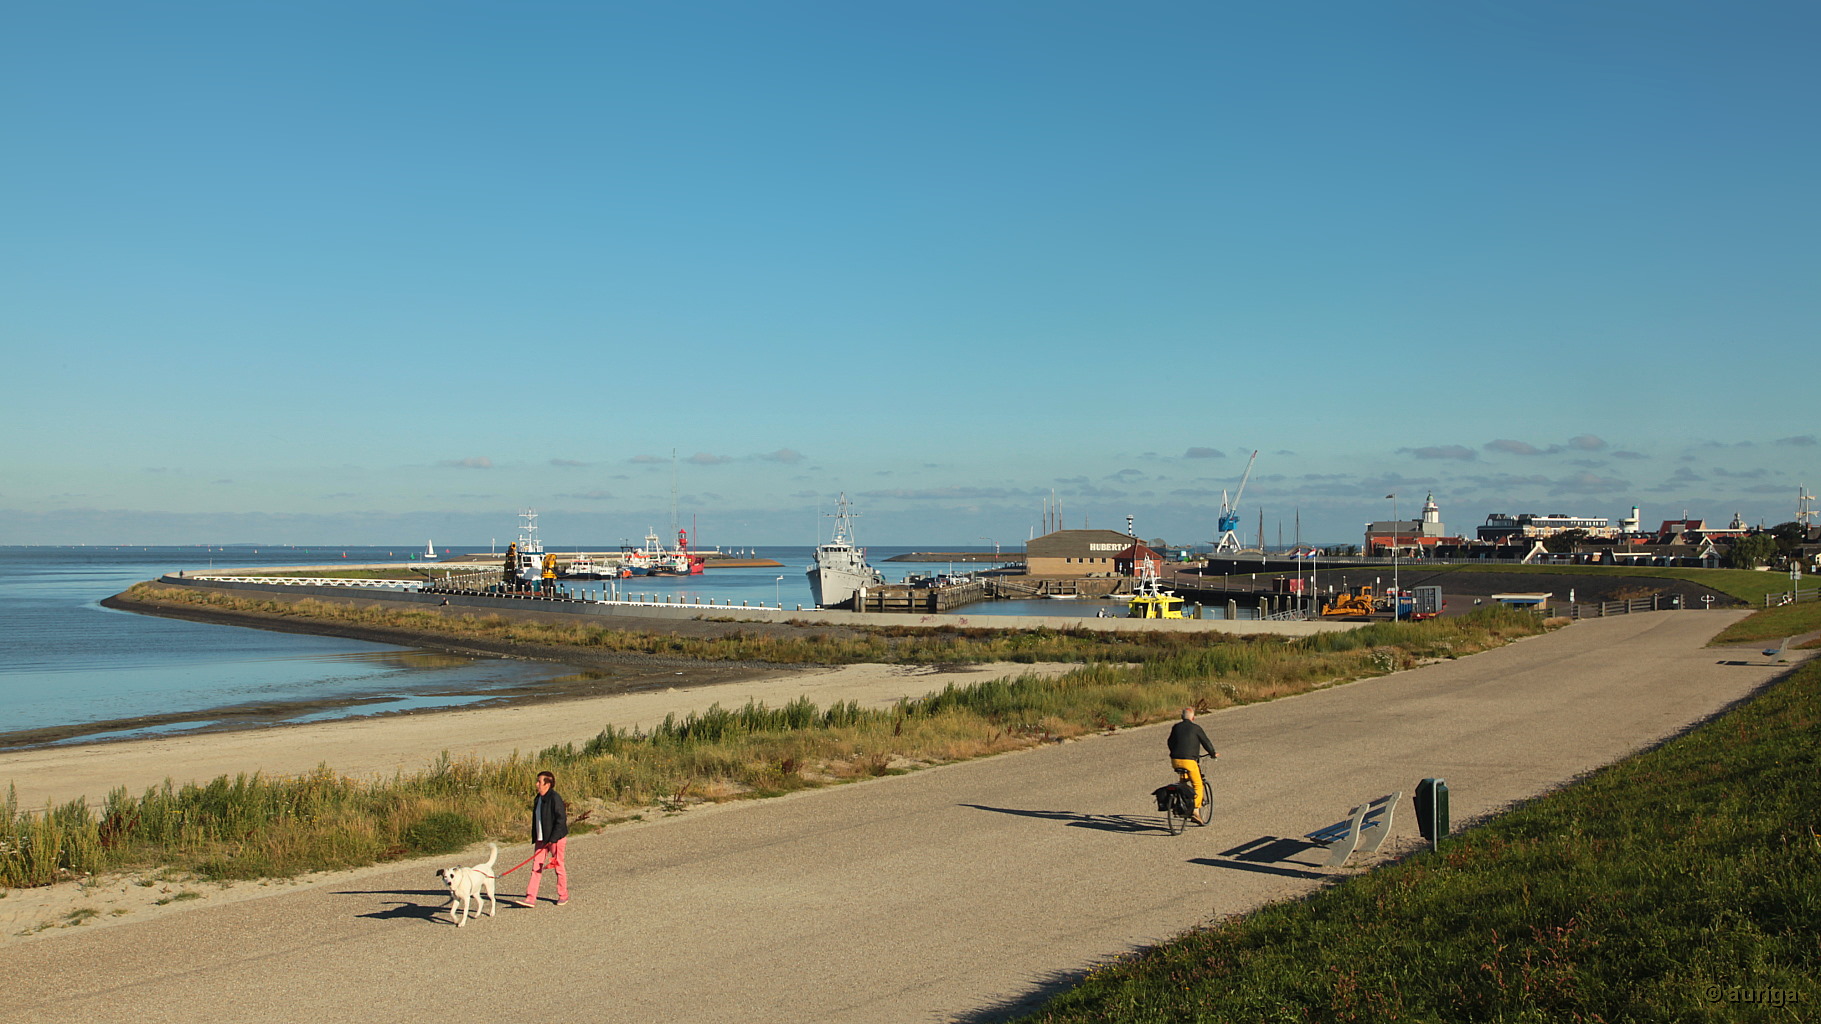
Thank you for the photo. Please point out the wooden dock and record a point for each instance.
(897, 597)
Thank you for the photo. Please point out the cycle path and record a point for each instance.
(956, 893)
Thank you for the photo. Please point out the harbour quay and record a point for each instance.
(564, 605)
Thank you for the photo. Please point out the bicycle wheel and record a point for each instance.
(1205, 813)
(1173, 822)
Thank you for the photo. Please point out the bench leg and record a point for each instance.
(1345, 845)
(1384, 823)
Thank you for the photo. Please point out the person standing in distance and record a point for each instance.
(1187, 741)
(549, 834)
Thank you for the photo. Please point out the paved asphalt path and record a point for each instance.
(956, 893)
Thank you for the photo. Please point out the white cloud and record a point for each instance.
(1442, 451)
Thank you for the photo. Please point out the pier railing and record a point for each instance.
(312, 581)
(491, 587)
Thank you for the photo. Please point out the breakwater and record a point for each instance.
(651, 614)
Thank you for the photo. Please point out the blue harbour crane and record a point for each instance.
(1228, 541)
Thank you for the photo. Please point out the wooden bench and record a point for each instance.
(1343, 837)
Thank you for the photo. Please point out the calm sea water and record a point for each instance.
(65, 660)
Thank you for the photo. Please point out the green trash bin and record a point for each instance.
(1432, 809)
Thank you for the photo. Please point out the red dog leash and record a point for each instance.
(520, 864)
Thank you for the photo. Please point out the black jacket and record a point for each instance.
(555, 817)
(1188, 740)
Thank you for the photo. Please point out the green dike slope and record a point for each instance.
(1682, 884)
(1748, 585)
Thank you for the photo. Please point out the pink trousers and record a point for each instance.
(548, 855)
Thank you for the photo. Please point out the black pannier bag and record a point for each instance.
(1181, 792)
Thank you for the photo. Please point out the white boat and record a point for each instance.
(583, 567)
(526, 562)
(839, 577)
(429, 549)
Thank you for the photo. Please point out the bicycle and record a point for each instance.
(1178, 811)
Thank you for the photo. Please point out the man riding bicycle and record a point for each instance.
(1187, 741)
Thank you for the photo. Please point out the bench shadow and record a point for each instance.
(1075, 819)
(1268, 855)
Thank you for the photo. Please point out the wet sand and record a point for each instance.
(380, 746)
(595, 674)
(623, 690)
(377, 746)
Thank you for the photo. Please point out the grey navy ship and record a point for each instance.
(839, 576)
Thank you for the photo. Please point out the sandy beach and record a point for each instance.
(378, 746)
(383, 745)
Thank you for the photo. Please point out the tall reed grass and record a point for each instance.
(260, 826)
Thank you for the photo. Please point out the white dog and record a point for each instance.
(466, 884)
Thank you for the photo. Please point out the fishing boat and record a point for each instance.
(651, 560)
(839, 576)
(584, 567)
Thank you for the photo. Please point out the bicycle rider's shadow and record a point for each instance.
(1265, 854)
(1104, 822)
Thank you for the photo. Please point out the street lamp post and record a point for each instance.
(1397, 604)
(777, 593)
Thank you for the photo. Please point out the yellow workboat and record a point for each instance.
(1149, 600)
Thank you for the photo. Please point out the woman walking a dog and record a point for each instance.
(549, 834)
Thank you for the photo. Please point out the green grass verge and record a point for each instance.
(1745, 584)
(1773, 624)
(257, 826)
(1683, 884)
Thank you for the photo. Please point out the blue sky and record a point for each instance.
(371, 272)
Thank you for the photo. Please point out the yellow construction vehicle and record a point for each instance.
(1355, 605)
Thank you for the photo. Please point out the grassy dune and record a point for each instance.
(254, 826)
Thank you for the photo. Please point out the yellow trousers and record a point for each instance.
(1193, 767)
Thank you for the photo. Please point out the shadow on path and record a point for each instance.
(403, 909)
(1268, 855)
(1104, 822)
(1042, 989)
